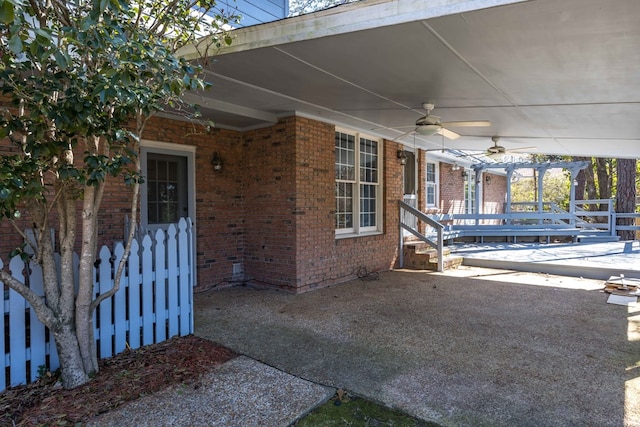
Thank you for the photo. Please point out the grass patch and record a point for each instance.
(346, 410)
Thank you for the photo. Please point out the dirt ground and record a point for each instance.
(121, 379)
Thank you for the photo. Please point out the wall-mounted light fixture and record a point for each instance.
(487, 179)
(402, 156)
(216, 161)
(455, 167)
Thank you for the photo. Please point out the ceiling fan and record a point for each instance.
(430, 125)
(496, 150)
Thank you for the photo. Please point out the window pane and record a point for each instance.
(469, 192)
(344, 205)
(431, 195)
(431, 172)
(153, 213)
(345, 156)
(152, 192)
(172, 168)
(162, 170)
(172, 193)
(353, 152)
(368, 160)
(367, 205)
(162, 192)
(166, 192)
(152, 168)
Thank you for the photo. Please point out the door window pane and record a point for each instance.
(410, 173)
(166, 188)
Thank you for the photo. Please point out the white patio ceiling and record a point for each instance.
(560, 76)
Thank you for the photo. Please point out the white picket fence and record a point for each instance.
(153, 304)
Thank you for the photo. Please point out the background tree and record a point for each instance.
(607, 178)
(626, 194)
(555, 189)
(604, 170)
(300, 7)
(79, 81)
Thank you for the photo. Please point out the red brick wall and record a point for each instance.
(322, 259)
(451, 190)
(493, 191)
(272, 208)
(315, 204)
(219, 220)
(290, 184)
(116, 203)
(219, 203)
(269, 191)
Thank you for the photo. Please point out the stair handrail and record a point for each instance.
(438, 245)
(608, 214)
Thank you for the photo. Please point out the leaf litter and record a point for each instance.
(122, 378)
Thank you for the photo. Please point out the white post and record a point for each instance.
(400, 239)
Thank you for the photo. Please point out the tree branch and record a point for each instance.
(44, 313)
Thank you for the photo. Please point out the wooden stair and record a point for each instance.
(420, 256)
(592, 236)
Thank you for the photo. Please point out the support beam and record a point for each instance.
(541, 172)
(507, 207)
(227, 107)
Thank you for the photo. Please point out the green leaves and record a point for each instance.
(82, 71)
(7, 12)
(15, 44)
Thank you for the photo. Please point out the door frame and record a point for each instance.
(180, 150)
(171, 149)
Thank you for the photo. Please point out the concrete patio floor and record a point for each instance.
(471, 347)
(589, 260)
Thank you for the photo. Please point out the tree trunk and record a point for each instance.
(626, 195)
(581, 180)
(72, 369)
(84, 296)
(590, 184)
(604, 181)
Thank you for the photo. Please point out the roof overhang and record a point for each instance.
(559, 77)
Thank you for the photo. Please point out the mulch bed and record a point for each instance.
(122, 378)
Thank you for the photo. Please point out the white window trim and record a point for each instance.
(470, 191)
(356, 230)
(436, 185)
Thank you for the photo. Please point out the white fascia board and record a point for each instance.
(344, 19)
(229, 108)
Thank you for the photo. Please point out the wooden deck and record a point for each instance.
(435, 230)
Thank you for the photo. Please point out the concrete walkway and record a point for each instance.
(239, 393)
(473, 347)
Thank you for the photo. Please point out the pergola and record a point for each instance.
(573, 167)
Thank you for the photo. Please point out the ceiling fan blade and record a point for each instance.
(448, 133)
(405, 134)
(496, 155)
(394, 127)
(479, 123)
(515, 150)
